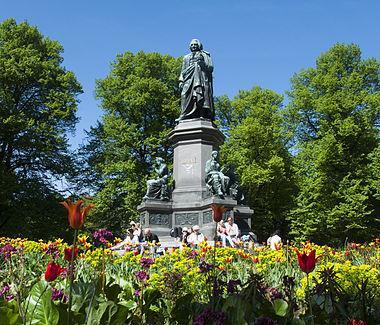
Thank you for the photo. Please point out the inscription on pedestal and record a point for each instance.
(207, 217)
(188, 165)
(186, 218)
(159, 219)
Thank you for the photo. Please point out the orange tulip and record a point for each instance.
(228, 259)
(255, 259)
(217, 211)
(76, 213)
(278, 246)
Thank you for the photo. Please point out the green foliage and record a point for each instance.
(334, 113)
(140, 98)
(9, 313)
(280, 307)
(256, 150)
(40, 308)
(374, 169)
(38, 101)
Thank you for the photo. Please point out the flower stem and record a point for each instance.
(18, 293)
(214, 269)
(71, 274)
(309, 298)
(103, 274)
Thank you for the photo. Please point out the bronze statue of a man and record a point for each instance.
(158, 188)
(195, 82)
(216, 181)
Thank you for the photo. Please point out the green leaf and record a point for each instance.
(182, 309)
(297, 321)
(82, 295)
(97, 315)
(41, 309)
(129, 304)
(112, 291)
(9, 314)
(235, 309)
(280, 307)
(151, 296)
(120, 315)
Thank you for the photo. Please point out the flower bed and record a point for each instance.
(204, 286)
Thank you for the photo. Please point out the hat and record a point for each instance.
(132, 223)
(196, 227)
(185, 229)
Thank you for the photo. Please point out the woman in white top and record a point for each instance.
(274, 241)
(222, 233)
(129, 240)
(195, 237)
(232, 229)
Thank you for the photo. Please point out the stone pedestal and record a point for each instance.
(193, 142)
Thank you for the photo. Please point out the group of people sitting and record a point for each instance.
(188, 236)
(227, 232)
(135, 236)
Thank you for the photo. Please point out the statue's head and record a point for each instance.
(159, 160)
(214, 154)
(195, 45)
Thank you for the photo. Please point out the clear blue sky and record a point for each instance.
(252, 42)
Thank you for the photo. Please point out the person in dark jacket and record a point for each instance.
(150, 237)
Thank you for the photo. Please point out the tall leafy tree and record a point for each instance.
(38, 101)
(334, 110)
(140, 99)
(256, 150)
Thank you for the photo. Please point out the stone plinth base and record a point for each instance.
(162, 216)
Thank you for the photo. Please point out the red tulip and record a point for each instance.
(69, 253)
(217, 211)
(52, 271)
(355, 322)
(306, 260)
(76, 213)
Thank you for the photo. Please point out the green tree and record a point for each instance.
(334, 112)
(256, 150)
(374, 173)
(38, 101)
(140, 98)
